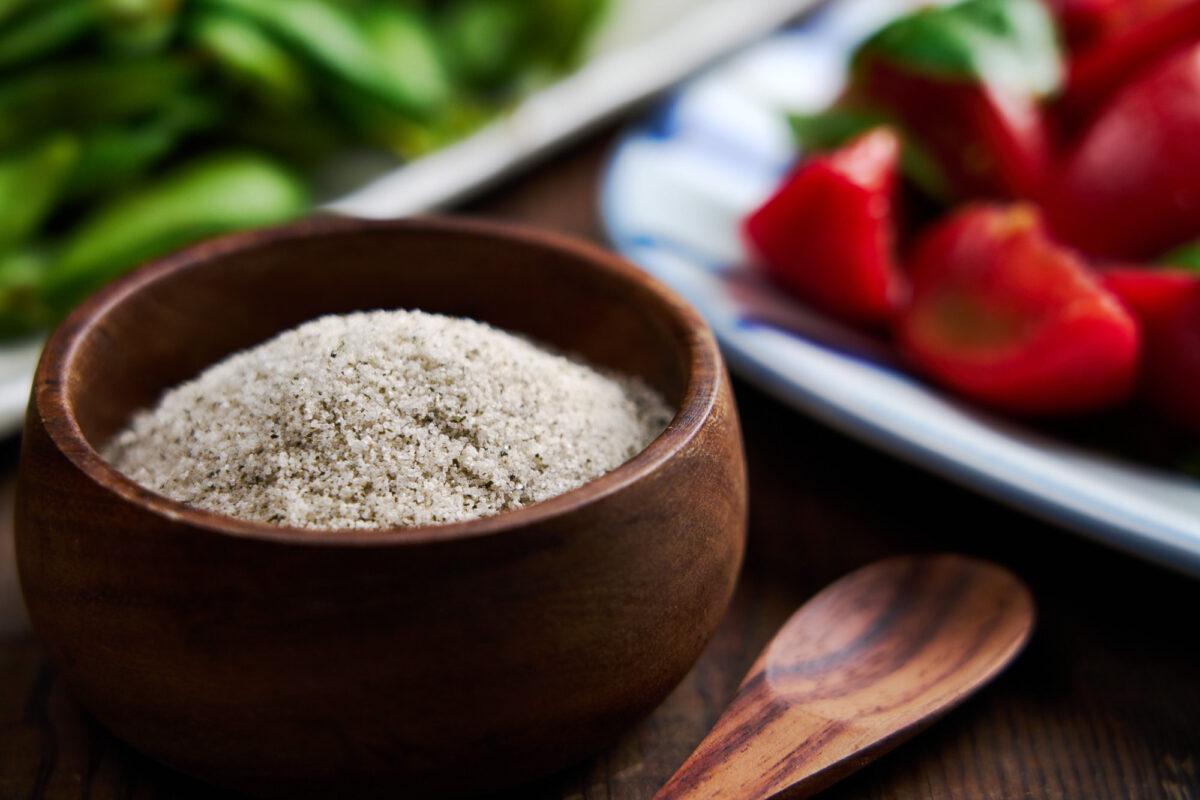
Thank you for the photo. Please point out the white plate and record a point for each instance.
(671, 201)
(643, 49)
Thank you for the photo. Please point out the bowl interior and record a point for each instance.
(169, 321)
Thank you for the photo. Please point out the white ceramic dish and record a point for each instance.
(677, 186)
(643, 49)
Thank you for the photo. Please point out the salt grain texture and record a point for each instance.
(383, 419)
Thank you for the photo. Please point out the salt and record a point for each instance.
(384, 419)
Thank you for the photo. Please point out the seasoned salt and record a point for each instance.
(383, 419)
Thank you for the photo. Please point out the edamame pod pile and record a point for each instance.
(129, 128)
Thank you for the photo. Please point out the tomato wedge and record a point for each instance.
(1131, 188)
(827, 235)
(1092, 24)
(1166, 303)
(1139, 34)
(966, 82)
(988, 140)
(1004, 315)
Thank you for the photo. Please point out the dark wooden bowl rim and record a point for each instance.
(51, 382)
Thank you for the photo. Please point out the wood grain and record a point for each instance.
(864, 665)
(1102, 704)
(361, 663)
(12, 609)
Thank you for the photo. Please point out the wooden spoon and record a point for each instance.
(861, 667)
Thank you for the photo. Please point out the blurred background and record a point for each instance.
(130, 128)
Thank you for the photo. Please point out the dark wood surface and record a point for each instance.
(1104, 702)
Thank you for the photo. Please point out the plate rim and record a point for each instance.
(1163, 543)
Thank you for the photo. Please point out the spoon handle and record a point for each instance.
(755, 747)
(864, 665)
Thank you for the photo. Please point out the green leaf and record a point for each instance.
(826, 130)
(1186, 257)
(1003, 43)
(830, 129)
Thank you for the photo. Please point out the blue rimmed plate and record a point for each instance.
(674, 192)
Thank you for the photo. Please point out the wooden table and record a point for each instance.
(1105, 702)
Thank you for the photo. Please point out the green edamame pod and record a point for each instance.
(485, 40)
(372, 121)
(30, 184)
(139, 27)
(563, 28)
(72, 94)
(508, 44)
(45, 30)
(9, 8)
(460, 117)
(212, 195)
(250, 58)
(408, 51)
(304, 140)
(331, 39)
(401, 134)
(111, 157)
(22, 310)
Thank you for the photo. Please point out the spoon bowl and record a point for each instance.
(864, 665)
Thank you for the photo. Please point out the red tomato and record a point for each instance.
(988, 141)
(1131, 189)
(1089, 23)
(1004, 315)
(1166, 303)
(826, 235)
(1151, 294)
(1154, 31)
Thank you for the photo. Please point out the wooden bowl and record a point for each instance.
(435, 660)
